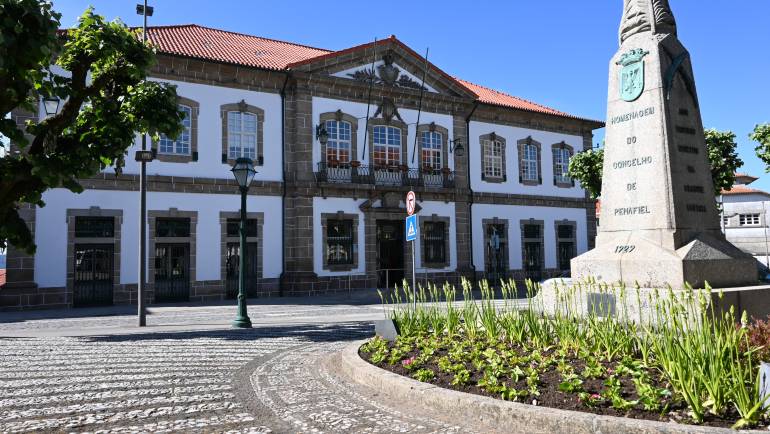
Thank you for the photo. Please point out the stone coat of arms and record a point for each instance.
(632, 74)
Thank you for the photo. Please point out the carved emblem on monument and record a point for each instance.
(632, 74)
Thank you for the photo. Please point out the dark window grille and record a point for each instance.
(497, 249)
(566, 253)
(566, 231)
(233, 226)
(172, 227)
(94, 227)
(435, 247)
(532, 231)
(566, 245)
(339, 242)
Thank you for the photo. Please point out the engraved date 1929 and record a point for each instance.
(624, 249)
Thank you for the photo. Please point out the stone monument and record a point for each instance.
(660, 223)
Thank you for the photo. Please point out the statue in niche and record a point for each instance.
(646, 16)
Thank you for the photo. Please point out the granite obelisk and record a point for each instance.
(660, 223)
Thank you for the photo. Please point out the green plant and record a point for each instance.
(462, 377)
(424, 375)
(571, 384)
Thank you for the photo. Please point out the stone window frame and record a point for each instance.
(434, 218)
(556, 225)
(341, 116)
(492, 137)
(179, 158)
(392, 123)
(433, 128)
(152, 216)
(485, 223)
(242, 107)
(94, 211)
(225, 239)
(562, 146)
(340, 215)
(529, 141)
(524, 240)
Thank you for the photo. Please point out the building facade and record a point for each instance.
(338, 138)
(744, 219)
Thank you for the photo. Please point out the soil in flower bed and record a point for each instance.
(551, 378)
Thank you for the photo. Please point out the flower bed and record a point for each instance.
(699, 368)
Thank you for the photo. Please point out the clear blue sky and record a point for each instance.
(555, 52)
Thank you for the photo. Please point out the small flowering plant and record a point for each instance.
(409, 363)
(591, 399)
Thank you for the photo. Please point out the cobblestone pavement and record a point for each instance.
(168, 379)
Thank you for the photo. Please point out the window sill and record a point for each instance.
(435, 266)
(493, 180)
(530, 183)
(173, 158)
(341, 267)
(563, 185)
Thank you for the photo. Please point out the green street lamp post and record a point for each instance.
(244, 172)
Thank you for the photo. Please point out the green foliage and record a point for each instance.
(723, 158)
(105, 101)
(586, 168)
(424, 375)
(761, 135)
(679, 353)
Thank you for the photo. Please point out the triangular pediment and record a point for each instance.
(395, 64)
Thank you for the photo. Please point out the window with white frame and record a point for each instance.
(529, 163)
(339, 144)
(493, 158)
(180, 145)
(431, 143)
(387, 146)
(561, 158)
(749, 220)
(241, 135)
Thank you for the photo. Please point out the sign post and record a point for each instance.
(411, 235)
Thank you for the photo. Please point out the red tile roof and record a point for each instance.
(495, 97)
(2, 276)
(742, 189)
(192, 40)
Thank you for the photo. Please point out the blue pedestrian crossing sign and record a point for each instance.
(411, 228)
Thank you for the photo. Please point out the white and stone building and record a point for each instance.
(323, 217)
(744, 217)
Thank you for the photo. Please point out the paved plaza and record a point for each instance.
(94, 371)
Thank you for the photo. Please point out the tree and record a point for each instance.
(106, 100)
(761, 135)
(586, 167)
(723, 158)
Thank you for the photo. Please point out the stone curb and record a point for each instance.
(493, 413)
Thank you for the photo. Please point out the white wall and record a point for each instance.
(51, 230)
(514, 215)
(332, 206)
(441, 209)
(358, 110)
(512, 135)
(209, 164)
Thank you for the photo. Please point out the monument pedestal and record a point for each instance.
(651, 265)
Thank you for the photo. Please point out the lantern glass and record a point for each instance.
(244, 172)
(459, 150)
(51, 105)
